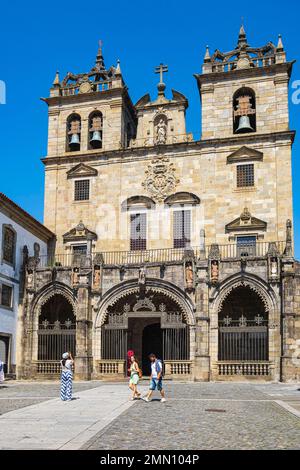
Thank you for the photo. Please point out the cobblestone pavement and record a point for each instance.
(15, 394)
(208, 416)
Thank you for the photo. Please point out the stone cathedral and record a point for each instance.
(164, 243)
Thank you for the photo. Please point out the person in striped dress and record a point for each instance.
(66, 376)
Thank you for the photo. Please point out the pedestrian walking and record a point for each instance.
(66, 376)
(135, 375)
(156, 378)
(1, 371)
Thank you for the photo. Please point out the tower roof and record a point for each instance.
(98, 78)
(244, 56)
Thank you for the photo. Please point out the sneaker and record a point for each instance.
(146, 399)
(163, 400)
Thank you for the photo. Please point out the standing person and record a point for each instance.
(155, 378)
(135, 374)
(66, 376)
(129, 354)
(1, 371)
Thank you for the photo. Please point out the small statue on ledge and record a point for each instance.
(214, 272)
(189, 275)
(75, 277)
(274, 267)
(97, 277)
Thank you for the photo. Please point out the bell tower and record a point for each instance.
(90, 112)
(244, 91)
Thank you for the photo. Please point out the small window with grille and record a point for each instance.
(138, 232)
(82, 190)
(245, 175)
(246, 245)
(6, 296)
(181, 228)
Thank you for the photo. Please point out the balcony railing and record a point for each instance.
(231, 251)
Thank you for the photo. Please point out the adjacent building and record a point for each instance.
(21, 237)
(165, 243)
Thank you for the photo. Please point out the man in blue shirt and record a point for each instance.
(156, 378)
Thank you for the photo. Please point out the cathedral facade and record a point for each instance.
(165, 243)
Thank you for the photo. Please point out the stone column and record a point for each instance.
(83, 358)
(290, 359)
(202, 359)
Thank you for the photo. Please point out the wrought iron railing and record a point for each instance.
(55, 338)
(243, 339)
(164, 255)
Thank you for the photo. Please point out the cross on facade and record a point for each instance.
(161, 68)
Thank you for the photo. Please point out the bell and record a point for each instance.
(96, 139)
(74, 142)
(244, 125)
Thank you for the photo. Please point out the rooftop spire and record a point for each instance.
(99, 57)
(280, 43)
(118, 68)
(242, 41)
(207, 55)
(56, 81)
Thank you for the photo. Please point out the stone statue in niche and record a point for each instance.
(142, 276)
(214, 271)
(97, 277)
(75, 277)
(274, 267)
(189, 275)
(161, 132)
(30, 279)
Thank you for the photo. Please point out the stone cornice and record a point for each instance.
(21, 217)
(239, 74)
(79, 99)
(202, 145)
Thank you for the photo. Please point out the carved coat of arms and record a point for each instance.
(160, 179)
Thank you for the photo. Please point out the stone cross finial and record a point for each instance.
(161, 69)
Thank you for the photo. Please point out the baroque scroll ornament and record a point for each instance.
(160, 179)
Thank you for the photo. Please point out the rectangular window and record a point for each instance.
(245, 175)
(6, 295)
(8, 247)
(82, 190)
(79, 251)
(181, 228)
(138, 232)
(246, 246)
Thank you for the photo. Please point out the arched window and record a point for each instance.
(138, 207)
(244, 111)
(9, 237)
(181, 204)
(73, 133)
(95, 130)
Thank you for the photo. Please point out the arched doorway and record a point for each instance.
(56, 329)
(146, 321)
(152, 342)
(243, 327)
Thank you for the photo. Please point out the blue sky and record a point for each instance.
(37, 39)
